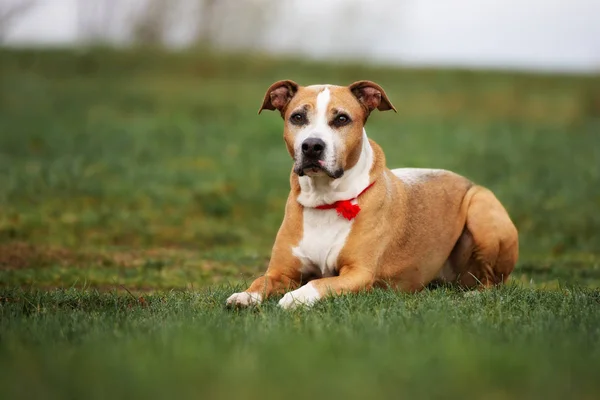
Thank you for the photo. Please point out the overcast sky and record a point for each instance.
(523, 34)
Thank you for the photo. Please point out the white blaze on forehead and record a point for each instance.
(322, 129)
(323, 99)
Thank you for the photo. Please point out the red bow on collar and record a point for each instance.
(345, 208)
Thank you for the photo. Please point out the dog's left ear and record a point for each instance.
(279, 95)
(371, 96)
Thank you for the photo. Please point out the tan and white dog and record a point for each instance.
(351, 223)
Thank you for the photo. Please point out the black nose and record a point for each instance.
(313, 148)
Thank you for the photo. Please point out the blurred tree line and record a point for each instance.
(159, 22)
(10, 12)
(154, 22)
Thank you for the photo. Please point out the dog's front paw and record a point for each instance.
(244, 299)
(307, 295)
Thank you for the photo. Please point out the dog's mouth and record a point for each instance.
(315, 168)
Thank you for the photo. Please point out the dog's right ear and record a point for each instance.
(279, 95)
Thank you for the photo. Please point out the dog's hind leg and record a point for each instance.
(487, 250)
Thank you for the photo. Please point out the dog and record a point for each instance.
(352, 224)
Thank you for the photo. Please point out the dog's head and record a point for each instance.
(324, 123)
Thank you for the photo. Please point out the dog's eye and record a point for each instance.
(341, 120)
(298, 119)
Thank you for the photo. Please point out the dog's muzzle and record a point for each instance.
(313, 152)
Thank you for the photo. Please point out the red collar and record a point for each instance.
(345, 208)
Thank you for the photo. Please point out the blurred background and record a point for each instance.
(130, 144)
(551, 35)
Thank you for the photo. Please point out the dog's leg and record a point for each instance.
(272, 282)
(351, 279)
(284, 271)
(283, 274)
(491, 244)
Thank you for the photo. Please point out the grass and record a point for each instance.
(139, 189)
(506, 343)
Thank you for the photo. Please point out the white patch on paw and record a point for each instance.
(307, 295)
(244, 299)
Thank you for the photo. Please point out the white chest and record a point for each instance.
(324, 236)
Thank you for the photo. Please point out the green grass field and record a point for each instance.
(139, 189)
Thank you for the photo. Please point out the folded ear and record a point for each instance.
(279, 95)
(371, 96)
